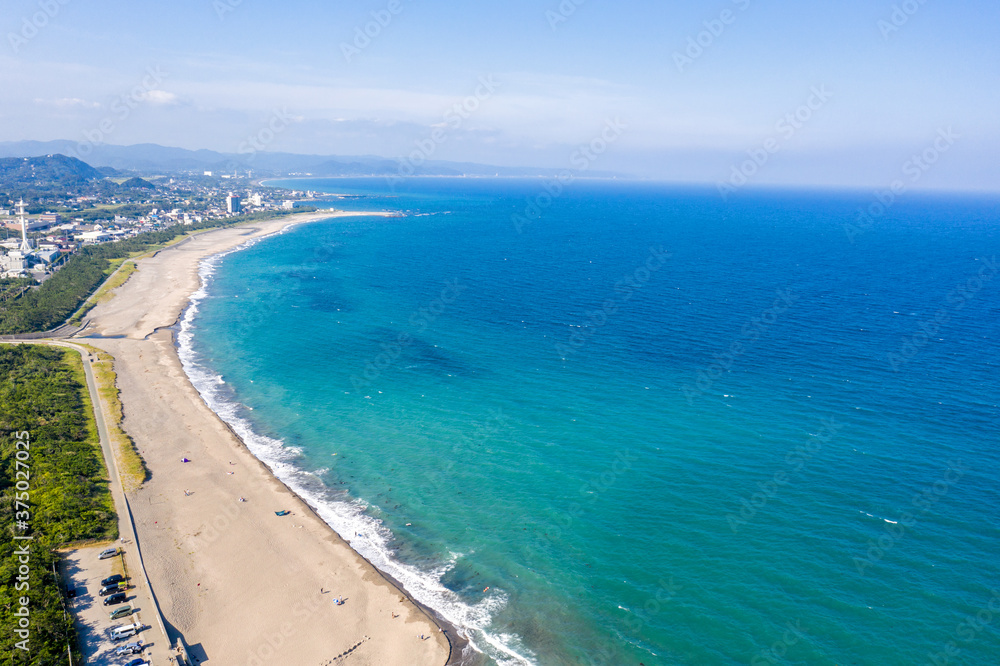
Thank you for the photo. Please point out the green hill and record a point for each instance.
(138, 183)
(45, 172)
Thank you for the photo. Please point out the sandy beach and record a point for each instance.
(240, 584)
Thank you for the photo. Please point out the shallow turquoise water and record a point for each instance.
(659, 428)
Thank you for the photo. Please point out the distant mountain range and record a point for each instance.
(149, 158)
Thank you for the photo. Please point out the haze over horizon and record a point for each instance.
(832, 95)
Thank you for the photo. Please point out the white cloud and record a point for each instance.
(68, 103)
(160, 98)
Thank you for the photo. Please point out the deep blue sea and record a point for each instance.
(633, 423)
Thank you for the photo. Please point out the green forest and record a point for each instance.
(53, 478)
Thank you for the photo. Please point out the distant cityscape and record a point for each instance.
(34, 245)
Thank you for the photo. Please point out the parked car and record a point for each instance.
(136, 662)
(111, 589)
(108, 552)
(116, 578)
(125, 631)
(121, 612)
(118, 598)
(130, 648)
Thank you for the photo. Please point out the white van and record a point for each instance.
(125, 631)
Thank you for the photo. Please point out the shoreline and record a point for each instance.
(457, 643)
(138, 329)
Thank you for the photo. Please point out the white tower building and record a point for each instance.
(25, 247)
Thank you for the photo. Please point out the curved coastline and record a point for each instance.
(135, 328)
(369, 539)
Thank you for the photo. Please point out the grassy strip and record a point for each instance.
(117, 279)
(74, 361)
(131, 466)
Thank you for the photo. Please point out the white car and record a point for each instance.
(107, 552)
(131, 648)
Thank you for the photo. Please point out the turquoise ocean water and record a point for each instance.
(636, 423)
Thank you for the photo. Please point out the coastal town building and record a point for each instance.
(233, 204)
(96, 236)
(13, 265)
(29, 225)
(48, 256)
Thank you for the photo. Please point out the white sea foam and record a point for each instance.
(366, 535)
(894, 522)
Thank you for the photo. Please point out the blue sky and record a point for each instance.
(558, 73)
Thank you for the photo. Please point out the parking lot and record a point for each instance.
(82, 572)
